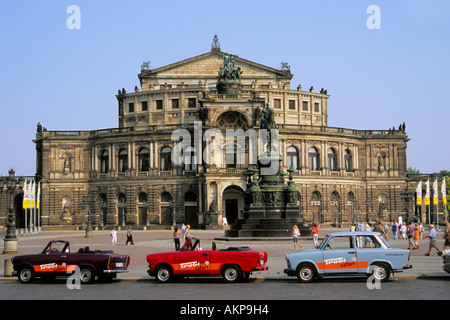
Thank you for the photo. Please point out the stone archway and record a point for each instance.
(232, 203)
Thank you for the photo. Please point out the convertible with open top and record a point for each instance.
(233, 263)
(57, 260)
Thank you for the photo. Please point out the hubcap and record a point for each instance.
(306, 274)
(25, 275)
(231, 274)
(163, 274)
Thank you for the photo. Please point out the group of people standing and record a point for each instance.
(185, 235)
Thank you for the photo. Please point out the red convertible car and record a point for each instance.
(57, 260)
(233, 263)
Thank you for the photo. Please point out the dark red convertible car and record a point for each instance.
(233, 263)
(57, 260)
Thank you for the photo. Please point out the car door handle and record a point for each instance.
(351, 252)
(205, 254)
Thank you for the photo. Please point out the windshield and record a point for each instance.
(323, 241)
(57, 247)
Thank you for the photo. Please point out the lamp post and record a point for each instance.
(10, 245)
(88, 199)
(172, 205)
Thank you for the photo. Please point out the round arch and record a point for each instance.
(232, 203)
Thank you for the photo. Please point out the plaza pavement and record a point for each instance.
(155, 241)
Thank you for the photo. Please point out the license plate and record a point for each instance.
(119, 264)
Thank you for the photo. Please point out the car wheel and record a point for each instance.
(381, 272)
(306, 273)
(231, 273)
(164, 273)
(26, 275)
(86, 275)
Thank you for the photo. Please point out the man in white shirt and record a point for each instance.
(432, 235)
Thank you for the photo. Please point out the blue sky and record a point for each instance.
(377, 78)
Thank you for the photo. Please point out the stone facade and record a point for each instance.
(127, 176)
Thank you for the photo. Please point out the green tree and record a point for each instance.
(412, 171)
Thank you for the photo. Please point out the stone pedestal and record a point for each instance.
(10, 246)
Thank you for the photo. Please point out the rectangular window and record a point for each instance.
(291, 104)
(175, 103)
(305, 105)
(131, 107)
(144, 105)
(316, 107)
(277, 103)
(192, 102)
(159, 104)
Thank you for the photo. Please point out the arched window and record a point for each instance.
(104, 162)
(142, 198)
(348, 160)
(144, 159)
(292, 158)
(123, 160)
(332, 160)
(166, 161)
(313, 157)
(232, 120)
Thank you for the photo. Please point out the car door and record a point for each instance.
(192, 262)
(339, 255)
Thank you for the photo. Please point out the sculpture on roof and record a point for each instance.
(228, 71)
(215, 45)
(229, 78)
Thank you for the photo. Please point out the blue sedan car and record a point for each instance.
(345, 253)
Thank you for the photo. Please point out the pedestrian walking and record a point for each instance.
(315, 235)
(129, 236)
(403, 231)
(296, 235)
(176, 238)
(379, 228)
(420, 230)
(410, 235)
(416, 236)
(114, 236)
(386, 229)
(394, 230)
(432, 235)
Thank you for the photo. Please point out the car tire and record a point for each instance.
(306, 273)
(231, 273)
(87, 275)
(164, 273)
(381, 272)
(26, 275)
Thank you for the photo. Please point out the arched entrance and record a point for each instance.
(232, 203)
(190, 209)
